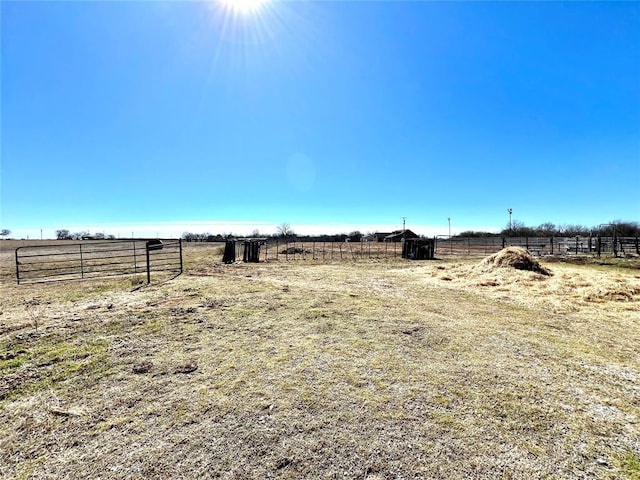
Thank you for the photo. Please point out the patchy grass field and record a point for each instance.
(379, 369)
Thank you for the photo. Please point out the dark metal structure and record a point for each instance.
(97, 259)
(229, 255)
(252, 250)
(418, 248)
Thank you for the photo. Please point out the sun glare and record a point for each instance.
(244, 6)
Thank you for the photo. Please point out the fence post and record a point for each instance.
(18, 266)
(81, 262)
(577, 244)
(180, 245)
(148, 264)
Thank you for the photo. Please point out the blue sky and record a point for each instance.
(159, 117)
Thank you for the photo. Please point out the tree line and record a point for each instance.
(64, 234)
(285, 232)
(282, 232)
(355, 236)
(548, 229)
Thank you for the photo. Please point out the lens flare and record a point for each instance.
(244, 6)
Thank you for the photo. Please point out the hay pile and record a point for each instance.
(513, 257)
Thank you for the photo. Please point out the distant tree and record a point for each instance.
(606, 229)
(63, 234)
(547, 229)
(285, 230)
(201, 237)
(573, 230)
(255, 233)
(518, 229)
(627, 229)
(355, 236)
(5, 232)
(619, 227)
(473, 233)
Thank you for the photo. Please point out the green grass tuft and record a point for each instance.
(630, 465)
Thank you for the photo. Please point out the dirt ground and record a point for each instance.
(372, 369)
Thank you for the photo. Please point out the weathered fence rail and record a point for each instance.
(97, 259)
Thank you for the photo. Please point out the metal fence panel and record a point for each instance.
(540, 246)
(97, 259)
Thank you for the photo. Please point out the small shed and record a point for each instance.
(418, 248)
(399, 235)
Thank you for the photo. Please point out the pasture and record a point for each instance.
(359, 369)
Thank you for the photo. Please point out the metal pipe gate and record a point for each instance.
(90, 259)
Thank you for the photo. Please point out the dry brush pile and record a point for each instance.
(513, 257)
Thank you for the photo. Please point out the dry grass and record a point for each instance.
(370, 370)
